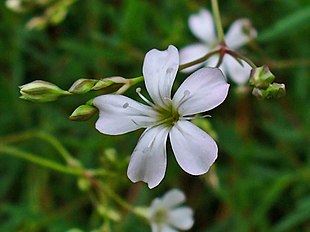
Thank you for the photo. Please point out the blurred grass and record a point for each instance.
(263, 167)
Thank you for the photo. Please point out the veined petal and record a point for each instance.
(148, 161)
(201, 91)
(173, 198)
(240, 33)
(181, 218)
(119, 114)
(191, 53)
(194, 149)
(238, 73)
(159, 70)
(202, 26)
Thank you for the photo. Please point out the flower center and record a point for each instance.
(160, 216)
(168, 116)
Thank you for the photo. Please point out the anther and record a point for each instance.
(196, 117)
(184, 98)
(187, 93)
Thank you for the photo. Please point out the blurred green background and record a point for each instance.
(261, 180)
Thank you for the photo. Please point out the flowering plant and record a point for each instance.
(173, 115)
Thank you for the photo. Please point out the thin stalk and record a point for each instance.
(136, 80)
(217, 20)
(198, 61)
(244, 58)
(124, 204)
(53, 141)
(38, 160)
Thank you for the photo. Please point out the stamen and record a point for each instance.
(184, 98)
(163, 121)
(137, 110)
(138, 90)
(195, 117)
(149, 146)
(167, 80)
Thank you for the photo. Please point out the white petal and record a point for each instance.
(119, 114)
(212, 61)
(238, 73)
(181, 218)
(194, 149)
(191, 53)
(202, 26)
(148, 161)
(173, 198)
(162, 228)
(201, 91)
(240, 33)
(159, 70)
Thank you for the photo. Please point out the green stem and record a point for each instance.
(136, 80)
(44, 136)
(124, 204)
(244, 58)
(38, 160)
(218, 22)
(200, 60)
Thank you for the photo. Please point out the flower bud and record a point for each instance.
(83, 113)
(261, 77)
(82, 86)
(274, 90)
(106, 82)
(41, 91)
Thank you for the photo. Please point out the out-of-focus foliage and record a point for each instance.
(261, 180)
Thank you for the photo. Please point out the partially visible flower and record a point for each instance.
(166, 214)
(239, 33)
(194, 149)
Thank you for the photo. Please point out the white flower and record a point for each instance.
(239, 33)
(195, 150)
(165, 216)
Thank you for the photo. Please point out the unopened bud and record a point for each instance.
(106, 82)
(261, 77)
(274, 90)
(82, 86)
(83, 113)
(41, 91)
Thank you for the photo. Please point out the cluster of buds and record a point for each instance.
(107, 85)
(43, 91)
(262, 81)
